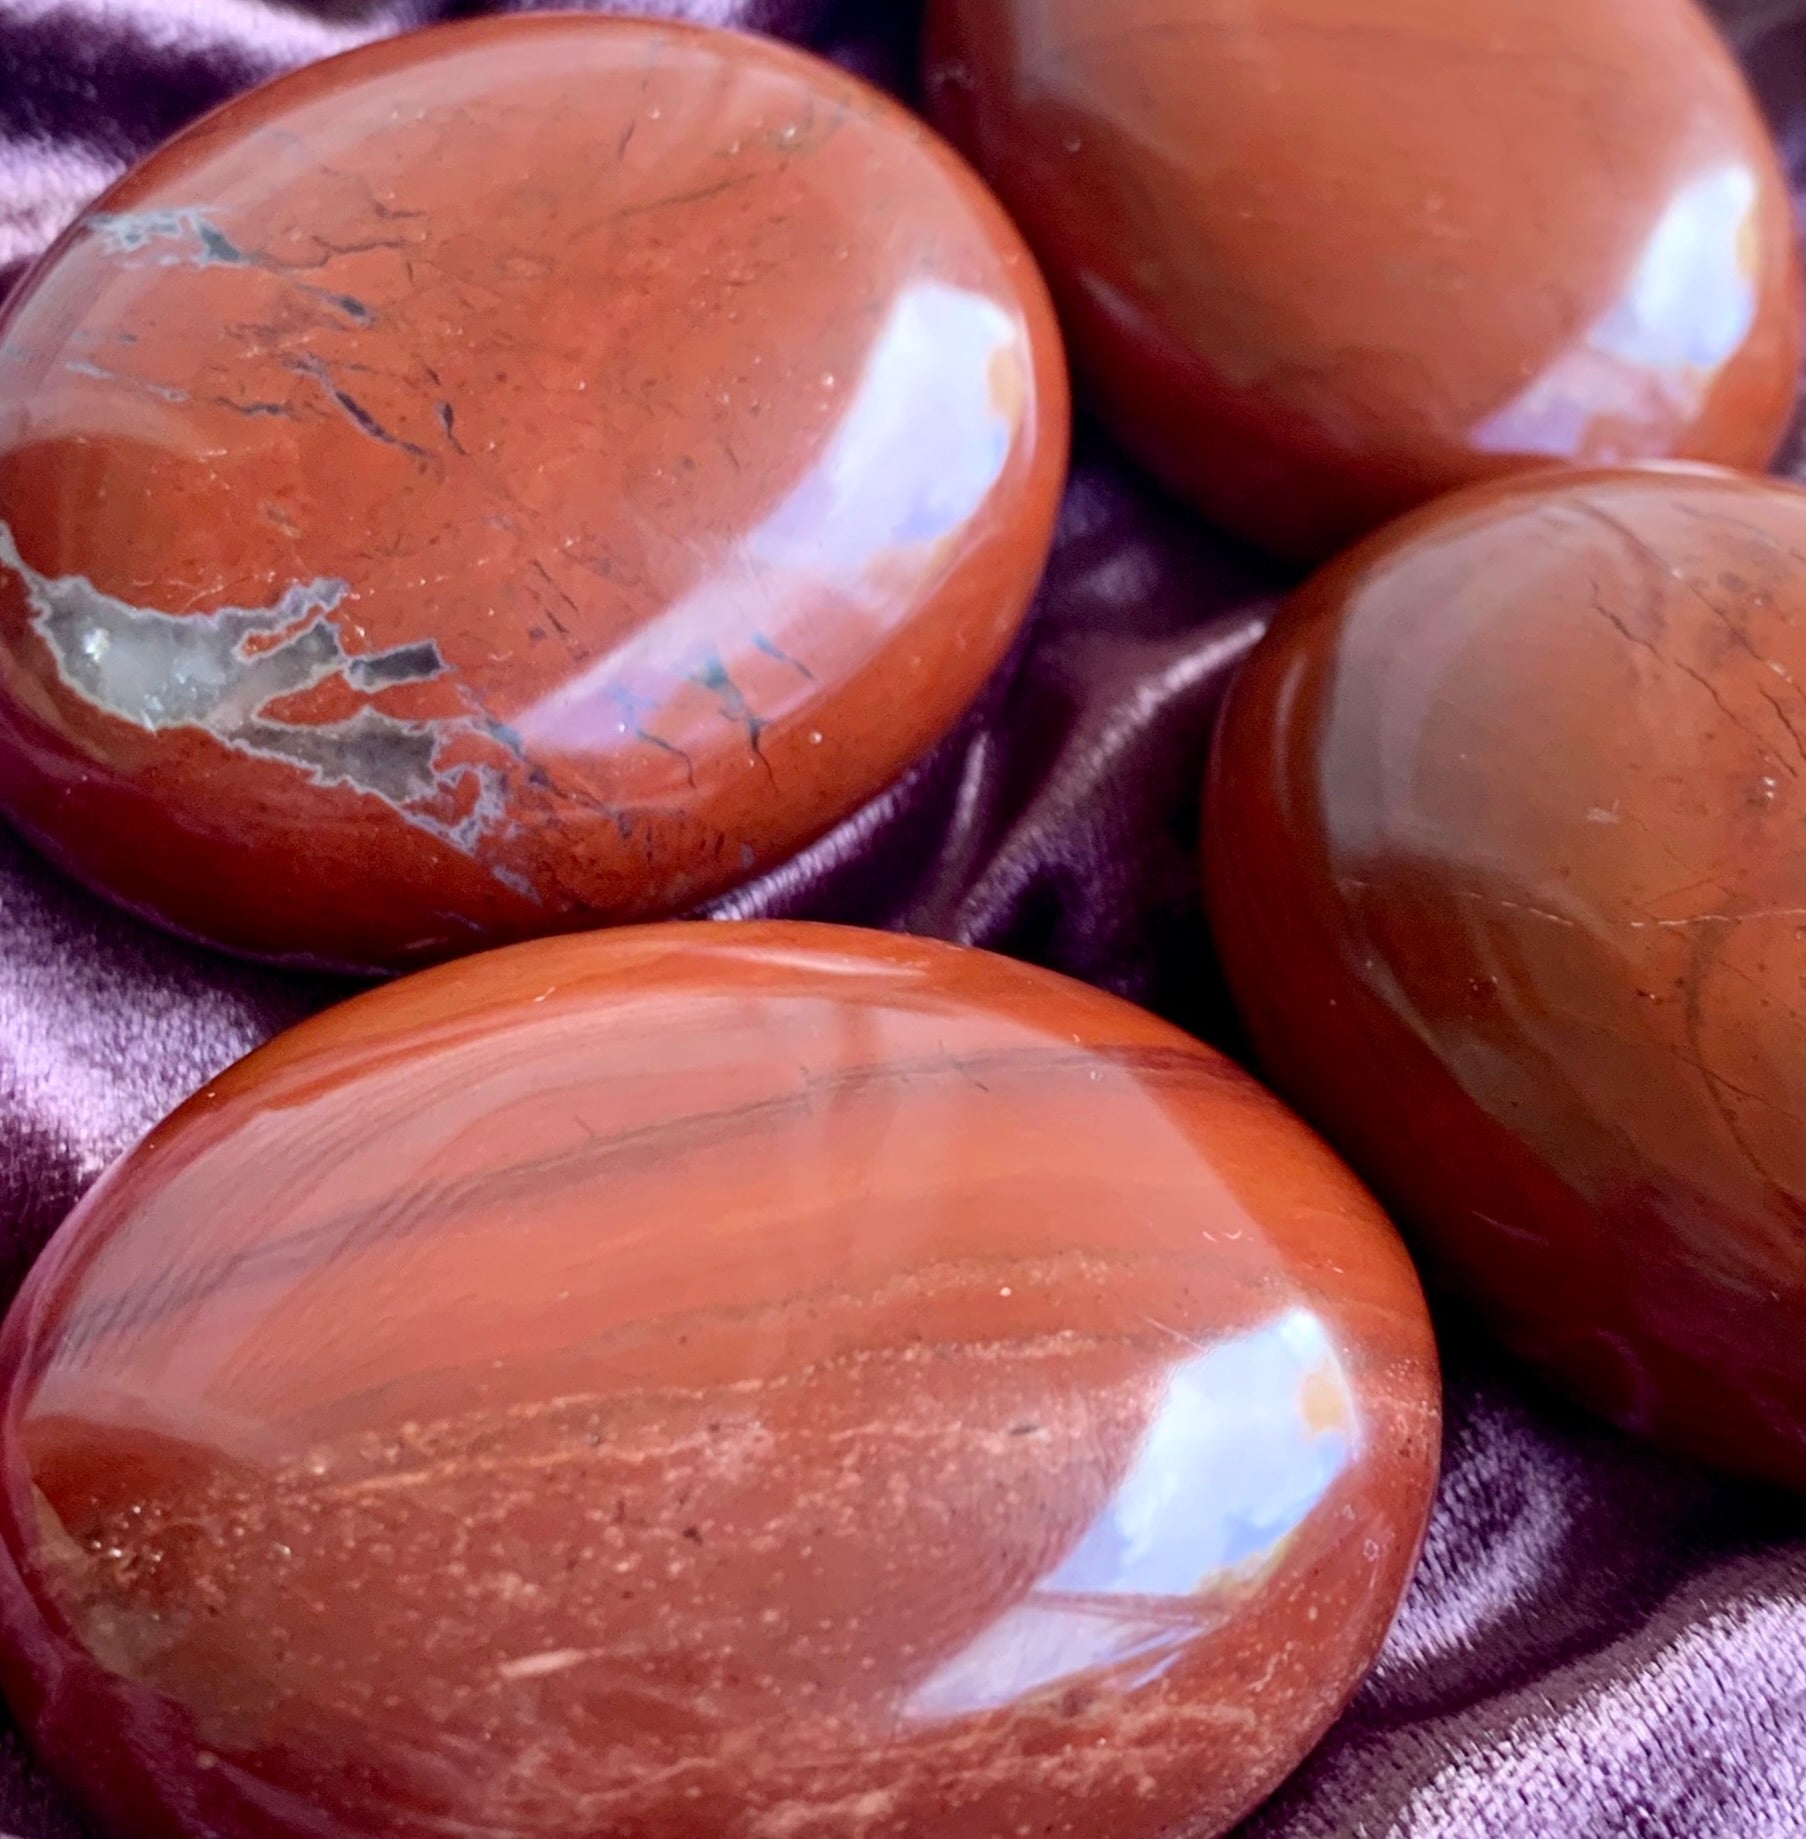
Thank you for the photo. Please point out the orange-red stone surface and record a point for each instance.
(1321, 260)
(517, 476)
(1506, 819)
(701, 1381)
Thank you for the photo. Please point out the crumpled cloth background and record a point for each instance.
(1600, 1642)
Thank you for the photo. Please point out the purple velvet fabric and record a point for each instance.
(1600, 1643)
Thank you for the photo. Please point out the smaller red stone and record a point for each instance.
(1504, 860)
(710, 1382)
(1322, 260)
(514, 477)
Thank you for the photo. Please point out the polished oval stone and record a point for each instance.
(710, 1380)
(518, 476)
(1321, 260)
(1505, 863)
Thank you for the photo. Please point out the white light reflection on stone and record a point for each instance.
(919, 440)
(1248, 1437)
(1688, 305)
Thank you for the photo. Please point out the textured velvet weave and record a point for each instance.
(1600, 1643)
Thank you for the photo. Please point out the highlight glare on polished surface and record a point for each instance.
(705, 1382)
(513, 477)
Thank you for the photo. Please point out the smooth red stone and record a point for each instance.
(1505, 862)
(518, 476)
(1322, 260)
(752, 1381)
